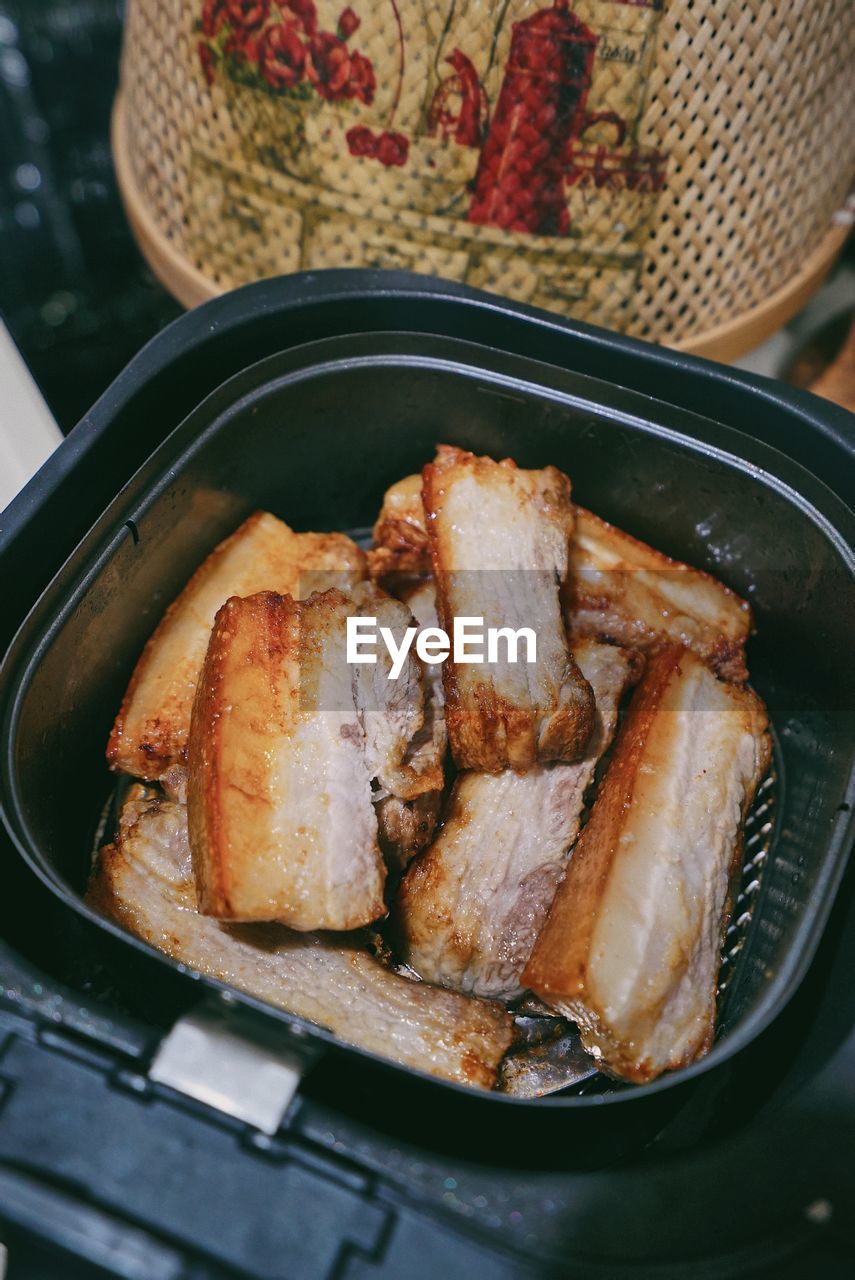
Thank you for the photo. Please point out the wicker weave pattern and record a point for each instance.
(754, 103)
(743, 110)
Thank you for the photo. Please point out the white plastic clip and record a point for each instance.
(231, 1066)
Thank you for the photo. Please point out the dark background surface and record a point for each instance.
(74, 290)
(80, 302)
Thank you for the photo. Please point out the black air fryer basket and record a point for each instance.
(308, 397)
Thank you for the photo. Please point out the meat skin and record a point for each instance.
(264, 554)
(631, 947)
(295, 757)
(282, 826)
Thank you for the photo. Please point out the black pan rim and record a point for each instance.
(284, 294)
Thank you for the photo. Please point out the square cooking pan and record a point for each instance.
(315, 432)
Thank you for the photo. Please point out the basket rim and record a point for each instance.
(725, 342)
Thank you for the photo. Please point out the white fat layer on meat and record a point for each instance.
(509, 578)
(655, 952)
(321, 830)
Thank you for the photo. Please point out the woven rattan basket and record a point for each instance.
(678, 170)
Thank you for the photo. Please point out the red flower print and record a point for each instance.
(243, 46)
(388, 148)
(328, 67)
(213, 16)
(302, 12)
(248, 13)
(393, 148)
(347, 23)
(207, 60)
(282, 57)
(361, 141)
(277, 43)
(362, 81)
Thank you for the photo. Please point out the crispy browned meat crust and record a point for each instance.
(282, 826)
(144, 882)
(150, 732)
(406, 826)
(632, 944)
(400, 538)
(621, 590)
(499, 547)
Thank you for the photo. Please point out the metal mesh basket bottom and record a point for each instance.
(758, 840)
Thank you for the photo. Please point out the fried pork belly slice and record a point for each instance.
(150, 732)
(469, 910)
(632, 944)
(499, 544)
(144, 881)
(282, 825)
(406, 826)
(400, 538)
(621, 590)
